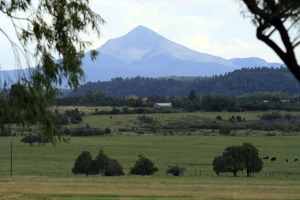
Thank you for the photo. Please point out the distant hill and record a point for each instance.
(246, 80)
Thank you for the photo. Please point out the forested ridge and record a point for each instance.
(238, 82)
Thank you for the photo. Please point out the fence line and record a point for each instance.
(194, 173)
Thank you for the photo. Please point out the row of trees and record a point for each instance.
(106, 166)
(31, 139)
(86, 131)
(193, 102)
(102, 164)
(233, 159)
(69, 116)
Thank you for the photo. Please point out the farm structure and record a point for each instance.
(163, 105)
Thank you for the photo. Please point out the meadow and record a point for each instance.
(44, 172)
(184, 123)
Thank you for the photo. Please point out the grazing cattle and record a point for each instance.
(296, 160)
(286, 160)
(266, 158)
(273, 159)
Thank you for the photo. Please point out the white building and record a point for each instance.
(163, 105)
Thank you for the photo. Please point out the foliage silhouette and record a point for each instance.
(143, 166)
(46, 30)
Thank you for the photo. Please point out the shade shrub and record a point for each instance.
(143, 166)
(113, 168)
(175, 170)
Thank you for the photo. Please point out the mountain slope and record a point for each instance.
(141, 43)
(142, 52)
(235, 83)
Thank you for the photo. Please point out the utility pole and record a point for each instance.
(11, 158)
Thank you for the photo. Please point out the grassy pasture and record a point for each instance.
(195, 153)
(131, 124)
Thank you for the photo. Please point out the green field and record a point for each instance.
(44, 172)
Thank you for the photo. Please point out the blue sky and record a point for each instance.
(216, 27)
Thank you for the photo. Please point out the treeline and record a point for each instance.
(235, 83)
(193, 102)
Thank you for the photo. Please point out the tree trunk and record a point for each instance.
(234, 173)
(248, 174)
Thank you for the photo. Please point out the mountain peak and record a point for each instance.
(140, 29)
(132, 46)
(144, 52)
(142, 37)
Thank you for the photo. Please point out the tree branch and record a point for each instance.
(295, 45)
(269, 35)
(269, 42)
(14, 47)
(267, 20)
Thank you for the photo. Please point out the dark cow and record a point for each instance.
(273, 159)
(296, 160)
(266, 158)
(286, 160)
